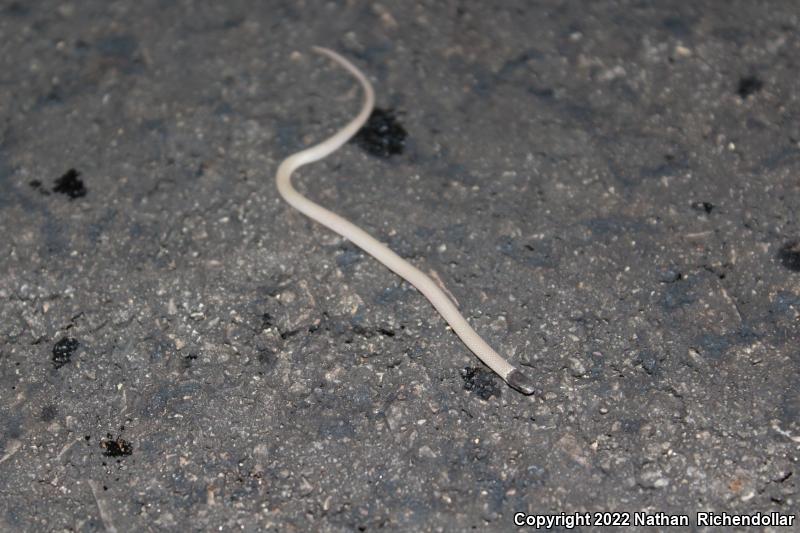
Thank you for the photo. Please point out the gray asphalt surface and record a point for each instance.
(610, 190)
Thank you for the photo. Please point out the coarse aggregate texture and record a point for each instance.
(609, 189)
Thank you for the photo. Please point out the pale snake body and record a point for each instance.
(513, 376)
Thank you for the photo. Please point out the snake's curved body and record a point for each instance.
(514, 377)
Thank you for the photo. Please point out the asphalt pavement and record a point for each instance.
(609, 190)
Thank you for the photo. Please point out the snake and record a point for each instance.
(512, 375)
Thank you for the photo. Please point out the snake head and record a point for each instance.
(520, 382)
